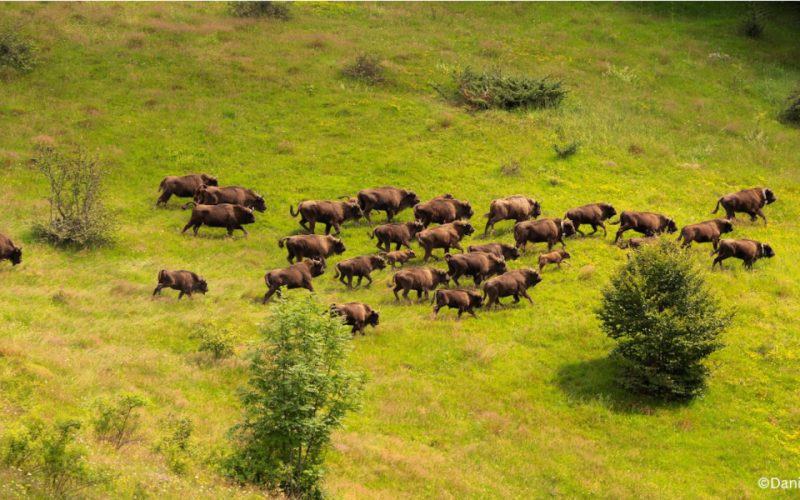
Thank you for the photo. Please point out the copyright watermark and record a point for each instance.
(776, 483)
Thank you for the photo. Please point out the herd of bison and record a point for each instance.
(232, 207)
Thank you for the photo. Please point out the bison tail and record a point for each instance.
(717, 207)
(336, 271)
(435, 294)
(161, 186)
(280, 241)
(291, 211)
(160, 275)
(343, 197)
(371, 234)
(486, 216)
(615, 223)
(447, 257)
(390, 284)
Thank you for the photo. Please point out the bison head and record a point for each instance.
(770, 196)
(317, 268)
(567, 228)
(374, 318)
(378, 262)
(259, 203)
(464, 227)
(531, 277)
(201, 286)
(726, 226)
(200, 194)
(415, 227)
(510, 253)
(608, 210)
(671, 226)
(412, 254)
(466, 211)
(209, 180)
(442, 276)
(16, 256)
(565, 255)
(245, 215)
(475, 299)
(767, 250)
(500, 266)
(410, 198)
(355, 211)
(338, 246)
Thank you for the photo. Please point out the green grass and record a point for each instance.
(520, 404)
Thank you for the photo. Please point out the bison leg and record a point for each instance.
(369, 278)
(621, 230)
(197, 228)
(458, 246)
(396, 288)
(525, 294)
(563, 245)
(718, 260)
(181, 294)
(268, 295)
(158, 290)
(760, 214)
(290, 258)
(436, 310)
(489, 225)
(405, 294)
(328, 228)
(187, 226)
(341, 278)
(338, 228)
(472, 313)
(389, 215)
(605, 233)
(594, 229)
(577, 229)
(164, 198)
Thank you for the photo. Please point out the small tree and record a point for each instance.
(274, 10)
(753, 23)
(366, 67)
(791, 114)
(299, 392)
(118, 422)
(665, 320)
(16, 51)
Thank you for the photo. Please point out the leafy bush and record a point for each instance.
(219, 340)
(366, 67)
(493, 89)
(665, 320)
(567, 150)
(15, 51)
(117, 423)
(77, 214)
(274, 10)
(753, 23)
(176, 444)
(299, 392)
(791, 114)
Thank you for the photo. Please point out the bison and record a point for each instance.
(357, 315)
(331, 213)
(441, 210)
(517, 207)
(514, 283)
(389, 199)
(463, 300)
(544, 230)
(312, 246)
(479, 265)
(503, 250)
(556, 257)
(705, 232)
(421, 279)
(593, 214)
(398, 257)
(225, 215)
(749, 201)
(399, 233)
(647, 223)
(185, 281)
(295, 276)
(748, 251)
(358, 266)
(638, 242)
(182, 187)
(235, 195)
(445, 236)
(9, 251)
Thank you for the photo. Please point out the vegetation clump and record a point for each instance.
(791, 114)
(176, 443)
(753, 23)
(273, 10)
(567, 150)
(220, 341)
(366, 67)
(16, 51)
(117, 422)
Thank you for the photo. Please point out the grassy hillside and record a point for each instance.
(518, 404)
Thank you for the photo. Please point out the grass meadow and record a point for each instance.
(519, 404)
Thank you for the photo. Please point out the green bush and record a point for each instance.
(274, 10)
(665, 320)
(218, 340)
(567, 150)
(753, 23)
(300, 390)
(118, 422)
(791, 114)
(366, 67)
(16, 51)
(176, 443)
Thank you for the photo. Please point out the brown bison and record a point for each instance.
(463, 300)
(478, 265)
(593, 214)
(749, 201)
(182, 187)
(705, 232)
(9, 251)
(235, 195)
(550, 231)
(638, 242)
(647, 223)
(503, 250)
(295, 276)
(748, 251)
(358, 266)
(399, 233)
(514, 283)
(398, 257)
(441, 210)
(556, 257)
(357, 315)
(517, 207)
(421, 279)
(331, 213)
(389, 199)
(312, 246)
(446, 236)
(225, 215)
(185, 281)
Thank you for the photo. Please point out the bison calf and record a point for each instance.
(463, 300)
(554, 258)
(421, 279)
(748, 251)
(398, 257)
(507, 252)
(185, 281)
(358, 266)
(514, 283)
(357, 315)
(9, 251)
(295, 276)
(749, 201)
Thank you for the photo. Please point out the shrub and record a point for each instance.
(493, 89)
(299, 392)
(365, 67)
(753, 23)
(791, 114)
(567, 150)
(218, 340)
(511, 168)
(77, 214)
(665, 320)
(15, 51)
(117, 423)
(175, 443)
(274, 10)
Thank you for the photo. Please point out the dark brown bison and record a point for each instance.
(478, 265)
(749, 201)
(517, 207)
(358, 266)
(543, 230)
(463, 300)
(312, 246)
(225, 215)
(647, 223)
(331, 213)
(748, 251)
(421, 279)
(235, 195)
(556, 257)
(441, 210)
(503, 250)
(9, 251)
(705, 232)
(638, 242)
(295, 276)
(185, 281)
(399, 257)
(593, 214)
(514, 283)
(182, 187)
(357, 315)
(388, 199)
(399, 233)
(446, 236)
